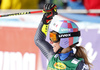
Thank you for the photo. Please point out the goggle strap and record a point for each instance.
(75, 34)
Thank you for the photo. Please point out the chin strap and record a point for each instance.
(59, 50)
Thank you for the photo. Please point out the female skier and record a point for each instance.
(63, 38)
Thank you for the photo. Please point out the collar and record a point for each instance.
(63, 56)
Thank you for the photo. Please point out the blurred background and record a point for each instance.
(17, 48)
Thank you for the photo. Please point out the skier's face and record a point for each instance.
(56, 46)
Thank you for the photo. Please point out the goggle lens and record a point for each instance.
(53, 37)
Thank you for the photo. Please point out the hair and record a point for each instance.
(82, 53)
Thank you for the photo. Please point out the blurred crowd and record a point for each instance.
(19, 4)
(38, 4)
(61, 4)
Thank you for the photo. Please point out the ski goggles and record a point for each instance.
(55, 37)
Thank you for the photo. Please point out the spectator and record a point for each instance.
(19, 4)
(64, 4)
(92, 4)
(59, 3)
(0, 3)
(41, 4)
(76, 4)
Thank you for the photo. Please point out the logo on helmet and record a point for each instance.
(64, 35)
(65, 30)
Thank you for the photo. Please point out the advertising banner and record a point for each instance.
(90, 40)
(17, 49)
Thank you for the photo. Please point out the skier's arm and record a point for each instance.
(42, 30)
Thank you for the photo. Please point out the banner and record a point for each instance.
(90, 40)
(17, 49)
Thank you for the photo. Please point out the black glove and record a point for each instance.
(50, 11)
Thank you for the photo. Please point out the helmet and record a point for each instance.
(66, 27)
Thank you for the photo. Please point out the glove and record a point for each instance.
(49, 10)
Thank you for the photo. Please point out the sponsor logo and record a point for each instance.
(65, 30)
(55, 24)
(85, 67)
(75, 61)
(59, 65)
(17, 61)
(45, 29)
(64, 35)
(49, 68)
